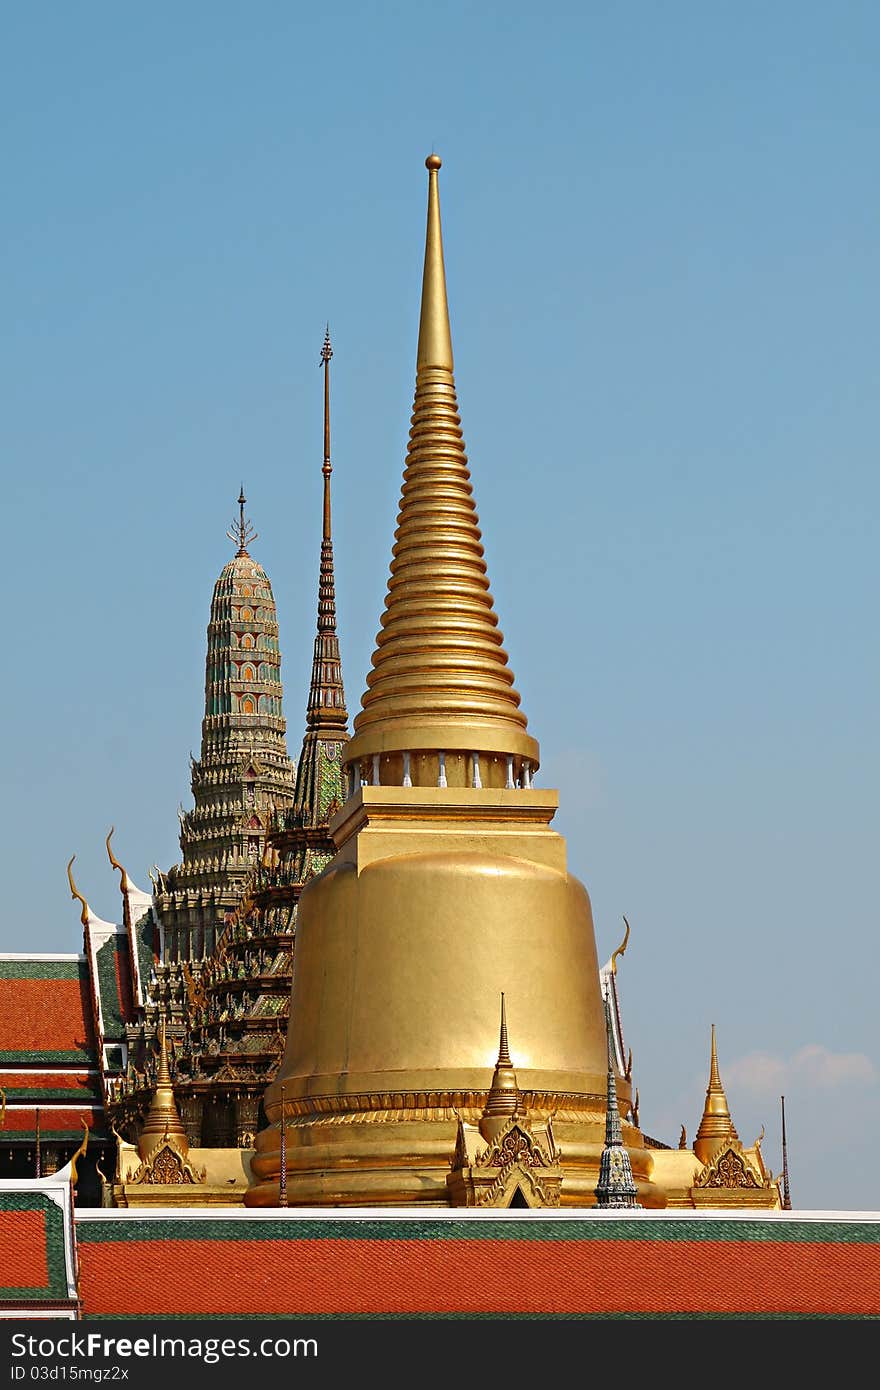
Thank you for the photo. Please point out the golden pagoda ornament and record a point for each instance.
(448, 884)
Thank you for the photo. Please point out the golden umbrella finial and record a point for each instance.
(75, 893)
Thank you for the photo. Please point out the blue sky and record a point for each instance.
(661, 231)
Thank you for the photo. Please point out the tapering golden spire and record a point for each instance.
(435, 337)
(503, 1099)
(440, 677)
(716, 1124)
(163, 1119)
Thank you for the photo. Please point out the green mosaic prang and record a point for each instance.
(754, 1230)
(53, 1226)
(330, 780)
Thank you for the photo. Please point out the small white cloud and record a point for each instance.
(812, 1065)
(759, 1072)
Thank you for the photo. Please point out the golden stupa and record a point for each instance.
(449, 887)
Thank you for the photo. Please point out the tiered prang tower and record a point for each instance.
(448, 887)
(239, 1002)
(244, 774)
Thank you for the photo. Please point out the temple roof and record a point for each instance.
(45, 1010)
(36, 1236)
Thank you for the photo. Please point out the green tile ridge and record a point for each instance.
(688, 1230)
(25, 1057)
(108, 988)
(43, 970)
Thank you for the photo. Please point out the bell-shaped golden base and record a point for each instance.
(436, 904)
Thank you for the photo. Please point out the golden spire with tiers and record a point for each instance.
(716, 1126)
(440, 682)
(163, 1120)
(448, 882)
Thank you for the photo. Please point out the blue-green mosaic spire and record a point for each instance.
(616, 1186)
(319, 775)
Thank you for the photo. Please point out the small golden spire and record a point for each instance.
(503, 1099)
(241, 532)
(716, 1124)
(163, 1119)
(440, 677)
(75, 893)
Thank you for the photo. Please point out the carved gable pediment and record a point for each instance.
(729, 1169)
(167, 1166)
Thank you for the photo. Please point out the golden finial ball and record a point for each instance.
(433, 161)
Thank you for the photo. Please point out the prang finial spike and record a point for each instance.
(786, 1191)
(327, 468)
(241, 532)
(503, 1048)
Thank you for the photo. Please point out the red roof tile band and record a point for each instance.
(625, 1267)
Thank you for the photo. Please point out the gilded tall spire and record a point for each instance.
(440, 681)
(716, 1124)
(447, 885)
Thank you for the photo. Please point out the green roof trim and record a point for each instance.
(53, 1226)
(21, 1058)
(752, 1230)
(52, 1136)
(91, 1092)
(44, 970)
(108, 986)
(144, 930)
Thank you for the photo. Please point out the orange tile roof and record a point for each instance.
(45, 1018)
(628, 1267)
